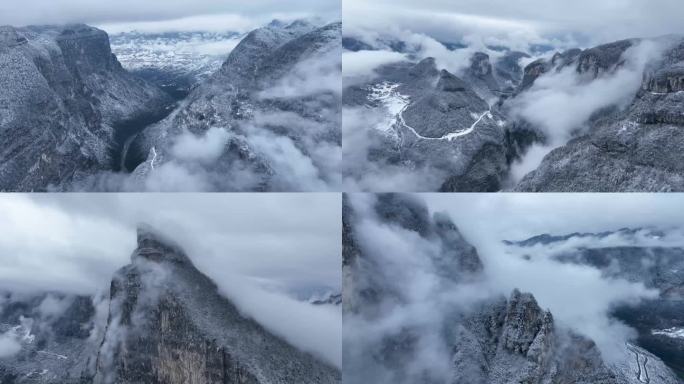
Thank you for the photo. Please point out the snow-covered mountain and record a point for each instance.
(65, 97)
(270, 116)
(162, 321)
(262, 110)
(417, 309)
(639, 255)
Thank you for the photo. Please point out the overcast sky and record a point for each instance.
(74, 242)
(535, 21)
(233, 15)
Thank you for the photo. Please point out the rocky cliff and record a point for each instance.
(169, 324)
(64, 94)
(640, 256)
(492, 339)
(635, 149)
(163, 322)
(278, 87)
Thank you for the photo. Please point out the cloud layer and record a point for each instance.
(73, 242)
(167, 14)
(520, 23)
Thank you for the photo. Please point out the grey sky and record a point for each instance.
(523, 20)
(74, 242)
(238, 15)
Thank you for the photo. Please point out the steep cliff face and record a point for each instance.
(635, 149)
(63, 95)
(643, 257)
(169, 324)
(279, 86)
(403, 332)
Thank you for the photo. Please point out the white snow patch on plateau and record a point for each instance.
(396, 103)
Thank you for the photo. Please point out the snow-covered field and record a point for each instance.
(198, 54)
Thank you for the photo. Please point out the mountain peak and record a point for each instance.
(154, 246)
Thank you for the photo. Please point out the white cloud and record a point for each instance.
(9, 346)
(206, 148)
(520, 23)
(487, 220)
(160, 15)
(262, 250)
(311, 76)
(75, 242)
(579, 297)
(363, 63)
(560, 103)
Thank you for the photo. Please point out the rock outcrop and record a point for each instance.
(169, 324)
(643, 257)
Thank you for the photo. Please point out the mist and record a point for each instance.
(561, 102)
(362, 171)
(564, 289)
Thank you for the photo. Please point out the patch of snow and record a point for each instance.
(674, 332)
(154, 157)
(394, 102)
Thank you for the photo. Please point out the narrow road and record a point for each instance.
(641, 365)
